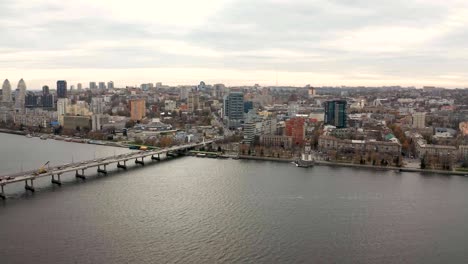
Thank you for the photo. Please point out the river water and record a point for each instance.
(195, 210)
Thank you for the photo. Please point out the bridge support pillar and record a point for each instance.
(142, 162)
(155, 158)
(28, 187)
(103, 171)
(2, 193)
(80, 176)
(56, 181)
(120, 166)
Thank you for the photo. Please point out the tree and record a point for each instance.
(165, 142)
(465, 162)
(129, 124)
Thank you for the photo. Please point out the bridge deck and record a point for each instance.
(78, 166)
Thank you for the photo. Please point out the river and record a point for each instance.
(199, 210)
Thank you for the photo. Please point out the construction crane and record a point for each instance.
(42, 169)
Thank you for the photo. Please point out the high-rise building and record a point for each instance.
(311, 91)
(20, 95)
(335, 113)
(45, 90)
(79, 87)
(201, 86)
(137, 109)
(62, 105)
(102, 85)
(193, 101)
(248, 105)
(92, 85)
(218, 90)
(110, 85)
(97, 105)
(47, 100)
(233, 111)
(184, 92)
(30, 100)
(293, 109)
(295, 128)
(6, 91)
(249, 132)
(62, 89)
(419, 120)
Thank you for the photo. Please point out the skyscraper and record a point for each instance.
(30, 100)
(110, 85)
(47, 99)
(20, 95)
(79, 87)
(92, 85)
(193, 101)
(45, 90)
(6, 90)
(62, 89)
(335, 113)
(102, 85)
(234, 109)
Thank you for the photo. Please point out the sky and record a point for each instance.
(236, 42)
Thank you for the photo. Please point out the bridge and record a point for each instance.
(101, 164)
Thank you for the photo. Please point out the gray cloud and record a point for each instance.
(394, 39)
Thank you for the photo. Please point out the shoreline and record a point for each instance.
(350, 165)
(286, 160)
(89, 141)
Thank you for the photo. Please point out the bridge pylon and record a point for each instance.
(56, 181)
(29, 187)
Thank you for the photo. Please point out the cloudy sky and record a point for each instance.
(236, 42)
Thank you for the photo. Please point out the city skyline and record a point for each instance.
(325, 43)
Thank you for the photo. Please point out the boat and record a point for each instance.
(28, 136)
(305, 161)
(43, 137)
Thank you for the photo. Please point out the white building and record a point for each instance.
(6, 91)
(62, 104)
(97, 105)
(21, 95)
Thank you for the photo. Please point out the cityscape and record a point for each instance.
(233, 131)
(425, 128)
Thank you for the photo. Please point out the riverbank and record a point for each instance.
(338, 164)
(265, 158)
(70, 140)
(14, 132)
